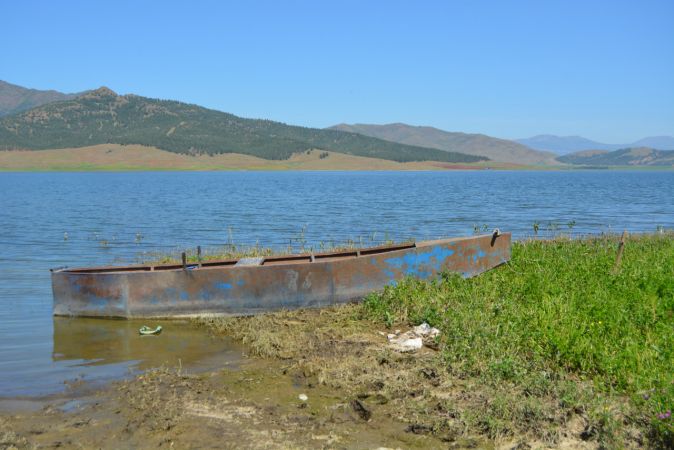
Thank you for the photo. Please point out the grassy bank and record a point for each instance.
(554, 349)
(556, 318)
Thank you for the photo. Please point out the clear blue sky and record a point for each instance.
(601, 69)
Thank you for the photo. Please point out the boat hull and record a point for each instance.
(244, 290)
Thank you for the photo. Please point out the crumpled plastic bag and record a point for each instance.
(425, 330)
(412, 340)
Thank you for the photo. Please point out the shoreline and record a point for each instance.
(103, 169)
(359, 394)
(526, 358)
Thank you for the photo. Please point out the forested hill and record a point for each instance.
(103, 117)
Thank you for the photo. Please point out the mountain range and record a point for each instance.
(568, 144)
(500, 150)
(32, 119)
(103, 117)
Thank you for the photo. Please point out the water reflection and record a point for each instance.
(91, 351)
(97, 342)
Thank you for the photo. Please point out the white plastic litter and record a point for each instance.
(406, 342)
(412, 340)
(303, 397)
(426, 330)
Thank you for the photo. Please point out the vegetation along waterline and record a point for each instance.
(558, 344)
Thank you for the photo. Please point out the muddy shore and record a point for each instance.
(359, 394)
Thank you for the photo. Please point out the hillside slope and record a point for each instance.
(103, 117)
(15, 99)
(642, 156)
(473, 144)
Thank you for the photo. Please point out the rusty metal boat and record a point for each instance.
(255, 285)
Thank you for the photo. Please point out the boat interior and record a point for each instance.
(249, 261)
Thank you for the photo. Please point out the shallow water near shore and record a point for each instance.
(88, 352)
(75, 219)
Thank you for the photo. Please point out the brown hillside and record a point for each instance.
(495, 149)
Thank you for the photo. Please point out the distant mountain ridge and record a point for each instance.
(569, 144)
(641, 156)
(15, 99)
(495, 149)
(656, 142)
(32, 119)
(103, 117)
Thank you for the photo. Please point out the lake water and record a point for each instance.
(118, 217)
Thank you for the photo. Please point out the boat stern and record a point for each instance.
(89, 294)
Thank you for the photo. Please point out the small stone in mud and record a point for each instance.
(361, 410)
(429, 373)
(418, 428)
(588, 433)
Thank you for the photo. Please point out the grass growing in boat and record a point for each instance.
(210, 254)
(558, 313)
(234, 251)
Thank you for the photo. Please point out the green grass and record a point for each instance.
(557, 319)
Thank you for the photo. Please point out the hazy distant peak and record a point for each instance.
(15, 99)
(554, 136)
(569, 144)
(659, 142)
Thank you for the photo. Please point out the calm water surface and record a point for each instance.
(119, 217)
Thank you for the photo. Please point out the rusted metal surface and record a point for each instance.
(293, 281)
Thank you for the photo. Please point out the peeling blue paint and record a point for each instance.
(222, 286)
(205, 295)
(421, 265)
(389, 273)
